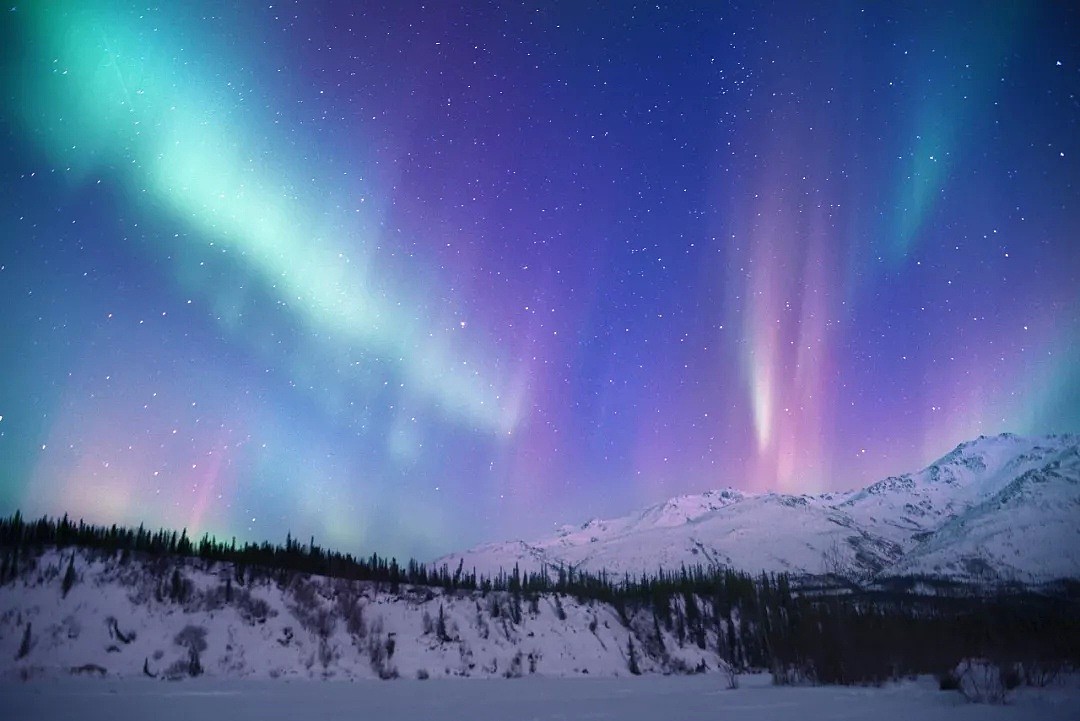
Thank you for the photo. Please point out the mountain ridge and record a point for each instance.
(993, 509)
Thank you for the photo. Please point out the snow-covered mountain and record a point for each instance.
(1000, 509)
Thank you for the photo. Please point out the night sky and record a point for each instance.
(408, 278)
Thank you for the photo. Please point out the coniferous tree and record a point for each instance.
(560, 612)
(176, 589)
(631, 653)
(69, 577)
(440, 627)
(14, 571)
(24, 647)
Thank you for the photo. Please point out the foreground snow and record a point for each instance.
(535, 699)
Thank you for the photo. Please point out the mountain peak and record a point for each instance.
(925, 522)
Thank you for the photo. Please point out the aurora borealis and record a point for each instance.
(407, 278)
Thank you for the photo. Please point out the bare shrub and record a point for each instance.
(327, 653)
(1041, 674)
(115, 632)
(731, 675)
(308, 609)
(304, 592)
(981, 681)
(515, 668)
(70, 627)
(794, 675)
(354, 620)
(481, 623)
(193, 638)
(88, 669)
(213, 599)
(250, 607)
(347, 600)
(380, 651)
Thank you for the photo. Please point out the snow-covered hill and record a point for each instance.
(169, 618)
(1001, 508)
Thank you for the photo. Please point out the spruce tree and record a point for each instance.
(15, 560)
(656, 630)
(632, 658)
(24, 647)
(69, 577)
(177, 592)
(440, 628)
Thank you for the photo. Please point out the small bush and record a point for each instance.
(194, 639)
(794, 675)
(982, 681)
(115, 632)
(379, 652)
(422, 674)
(88, 669)
(515, 670)
(250, 607)
(731, 675)
(1040, 674)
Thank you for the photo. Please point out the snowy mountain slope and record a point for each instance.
(778, 533)
(1027, 531)
(1004, 503)
(135, 618)
(915, 503)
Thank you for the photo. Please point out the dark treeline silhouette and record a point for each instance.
(831, 633)
(16, 533)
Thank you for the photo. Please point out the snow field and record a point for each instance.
(646, 698)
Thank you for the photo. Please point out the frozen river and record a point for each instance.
(527, 699)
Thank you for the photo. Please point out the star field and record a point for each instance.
(409, 277)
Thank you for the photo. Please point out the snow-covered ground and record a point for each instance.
(118, 620)
(679, 698)
(995, 509)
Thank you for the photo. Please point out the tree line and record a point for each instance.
(735, 587)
